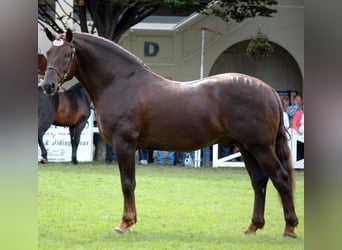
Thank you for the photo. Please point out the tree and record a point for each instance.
(112, 18)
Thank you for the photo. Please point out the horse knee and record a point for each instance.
(259, 185)
(128, 186)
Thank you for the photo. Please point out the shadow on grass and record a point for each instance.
(203, 240)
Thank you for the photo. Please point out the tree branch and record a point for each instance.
(44, 17)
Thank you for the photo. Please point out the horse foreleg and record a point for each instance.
(259, 182)
(42, 148)
(126, 159)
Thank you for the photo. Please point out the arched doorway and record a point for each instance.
(279, 69)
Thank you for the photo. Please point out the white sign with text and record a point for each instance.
(58, 145)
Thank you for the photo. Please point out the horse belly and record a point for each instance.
(70, 114)
(67, 119)
(185, 133)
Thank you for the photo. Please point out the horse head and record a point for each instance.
(61, 61)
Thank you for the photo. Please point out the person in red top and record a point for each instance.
(298, 121)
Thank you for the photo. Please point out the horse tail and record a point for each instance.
(282, 147)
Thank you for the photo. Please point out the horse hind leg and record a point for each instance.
(74, 144)
(282, 181)
(259, 182)
(75, 136)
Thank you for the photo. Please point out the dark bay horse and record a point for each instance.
(138, 109)
(70, 108)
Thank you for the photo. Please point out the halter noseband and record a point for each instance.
(66, 71)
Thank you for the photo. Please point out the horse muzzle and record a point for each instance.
(50, 89)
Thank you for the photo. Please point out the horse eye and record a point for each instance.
(67, 56)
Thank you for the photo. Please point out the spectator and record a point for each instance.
(285, 103)
(150, 156)
(110, 155)
(235, 150)
(143, 156)
(298, 122)
(183, 155)
(170, 157)
(297, 105)
(298, 126)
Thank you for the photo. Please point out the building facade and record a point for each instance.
(173, 49)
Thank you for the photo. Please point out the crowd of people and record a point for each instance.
(294, 118)
(294, 114)
(147, 157)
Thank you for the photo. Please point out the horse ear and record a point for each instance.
(69, 35)
(49, 34)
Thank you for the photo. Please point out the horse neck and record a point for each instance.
(79, 90)
(86, 97)
(103, 63)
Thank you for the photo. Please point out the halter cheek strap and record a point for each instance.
(65, 75)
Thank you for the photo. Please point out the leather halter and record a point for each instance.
(64, 76)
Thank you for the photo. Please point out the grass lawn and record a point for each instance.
(178, 208)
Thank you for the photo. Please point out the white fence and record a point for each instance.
(228, 161)
(293, 143)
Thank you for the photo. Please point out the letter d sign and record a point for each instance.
(151, 49)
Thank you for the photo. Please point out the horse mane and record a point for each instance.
(113, 45)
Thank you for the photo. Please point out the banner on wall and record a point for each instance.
(58, 145)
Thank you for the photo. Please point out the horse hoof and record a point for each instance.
(43, 161)
(121, 231)
(249, 231)
(118, 230)
(290, 235)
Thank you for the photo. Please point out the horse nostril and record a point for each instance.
(53, 85)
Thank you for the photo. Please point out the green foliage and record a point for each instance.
(111, 18)
(178, 208)
(239, 10)
(259, 46)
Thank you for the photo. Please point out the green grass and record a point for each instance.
(178, 208)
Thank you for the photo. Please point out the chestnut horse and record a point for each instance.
(139, 109)
(70, 108)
